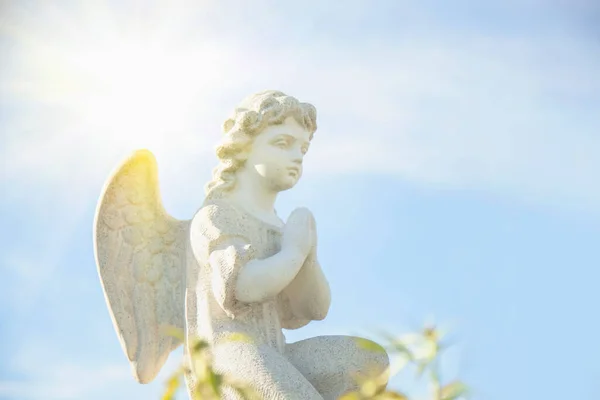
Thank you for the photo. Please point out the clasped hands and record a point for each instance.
(300, 234)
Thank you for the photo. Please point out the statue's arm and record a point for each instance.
(260, 280)
(236, 274)
(309, 293)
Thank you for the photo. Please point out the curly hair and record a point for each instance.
(248, 120)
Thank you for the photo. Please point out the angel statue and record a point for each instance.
(234, 268)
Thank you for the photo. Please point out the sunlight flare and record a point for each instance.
(121, 88)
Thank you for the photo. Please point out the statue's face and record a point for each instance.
(277, 153)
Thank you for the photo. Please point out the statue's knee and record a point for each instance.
(377, 359)
(382, 360)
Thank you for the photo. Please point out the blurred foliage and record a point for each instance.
(198, 368)
(422, 350)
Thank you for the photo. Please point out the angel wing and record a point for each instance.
(140, 255)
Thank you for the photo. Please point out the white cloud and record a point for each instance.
(65, 382)
(49, 375)
(54, 376)
(500, 114)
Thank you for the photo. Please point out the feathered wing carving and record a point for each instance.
(140, 254)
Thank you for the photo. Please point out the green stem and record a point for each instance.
(435, 378)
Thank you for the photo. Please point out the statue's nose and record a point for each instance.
(297, 155)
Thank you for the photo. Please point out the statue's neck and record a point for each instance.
(250, 195)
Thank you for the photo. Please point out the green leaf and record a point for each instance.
(431, 333)
(246, 393)
(237, 337)
(369, 345)
(454, 390)
(172, 386)
(351, 396)
(215, 380)
(199, 346)
(421, 367)
(169, 330)
(396, 345)
(399, 347)
(392, 396)
(369, 388)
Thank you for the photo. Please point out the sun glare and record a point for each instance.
(130, 87)
(135, 89)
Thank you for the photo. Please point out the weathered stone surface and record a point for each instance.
(235, 267)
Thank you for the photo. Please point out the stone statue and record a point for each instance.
(235, 267)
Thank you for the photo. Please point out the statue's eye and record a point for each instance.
(282, 144)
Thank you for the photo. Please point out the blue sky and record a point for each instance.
(457, 155)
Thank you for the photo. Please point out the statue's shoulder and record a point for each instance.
(215, 211)
(216, 218)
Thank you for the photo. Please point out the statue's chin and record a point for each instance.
(282, 186)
